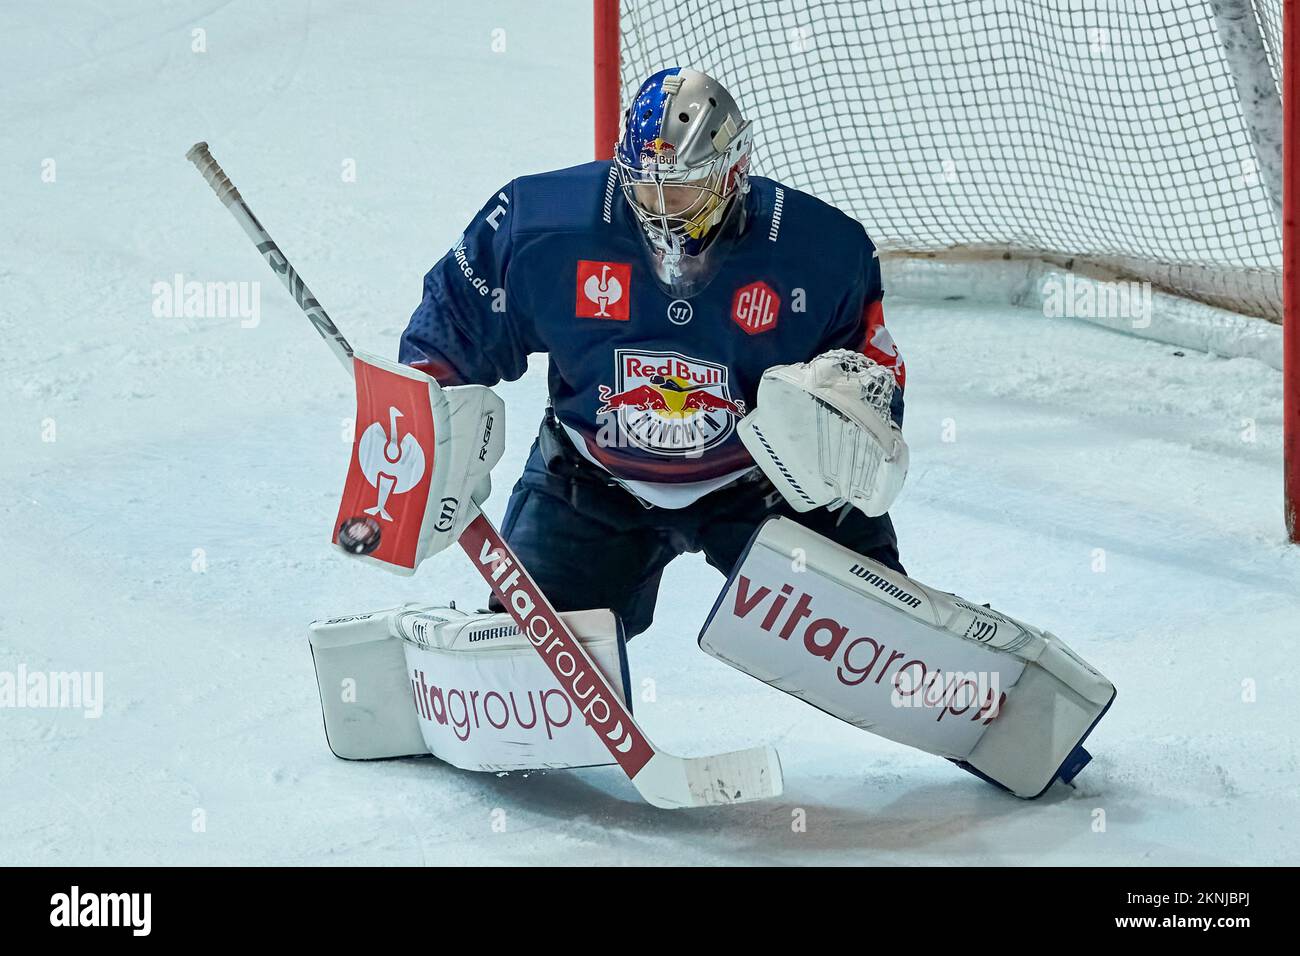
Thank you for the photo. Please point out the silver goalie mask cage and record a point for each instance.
(682, 157)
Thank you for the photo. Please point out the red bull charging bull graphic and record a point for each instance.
(669, 403)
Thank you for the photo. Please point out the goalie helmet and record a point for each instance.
(682, 157)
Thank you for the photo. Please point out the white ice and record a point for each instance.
(1122, 496)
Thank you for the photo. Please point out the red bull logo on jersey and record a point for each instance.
(669, 403)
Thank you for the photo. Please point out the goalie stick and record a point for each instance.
(663, 779)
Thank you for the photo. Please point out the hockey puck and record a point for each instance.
(359, 535)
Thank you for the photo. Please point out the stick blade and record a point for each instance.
(672, 783)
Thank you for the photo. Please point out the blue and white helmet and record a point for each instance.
(683, 156)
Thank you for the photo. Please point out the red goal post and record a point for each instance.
(1155, 142)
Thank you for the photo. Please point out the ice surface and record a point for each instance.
(1072, 443)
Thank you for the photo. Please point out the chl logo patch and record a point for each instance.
(669, 403)
(754, 307)
(604, 290)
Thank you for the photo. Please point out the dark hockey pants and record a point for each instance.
(590, 544)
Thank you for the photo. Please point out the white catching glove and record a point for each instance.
(822, 433)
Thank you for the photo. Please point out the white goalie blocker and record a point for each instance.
(1002, 698)
(466, 688)
(822, 433)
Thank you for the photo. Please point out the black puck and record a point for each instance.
(359, 535)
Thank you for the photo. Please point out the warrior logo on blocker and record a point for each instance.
(669, 403)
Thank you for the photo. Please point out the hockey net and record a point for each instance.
(1142, 137)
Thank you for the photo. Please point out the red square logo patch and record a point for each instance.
(604, 290)
(754, 307)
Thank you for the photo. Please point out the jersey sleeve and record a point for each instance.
(465, 330)
(859, 325)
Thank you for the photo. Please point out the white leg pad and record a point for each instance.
(1000, 697)
(467, 688)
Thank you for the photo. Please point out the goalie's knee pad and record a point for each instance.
(467, 688)
(873, 647)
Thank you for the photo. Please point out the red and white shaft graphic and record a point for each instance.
(577, 674)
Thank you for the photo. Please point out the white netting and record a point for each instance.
(875, 383)
(1111, 131)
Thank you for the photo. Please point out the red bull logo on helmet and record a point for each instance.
(669, 403)
(658, 153)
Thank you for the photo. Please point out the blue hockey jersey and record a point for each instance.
(647, 386)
